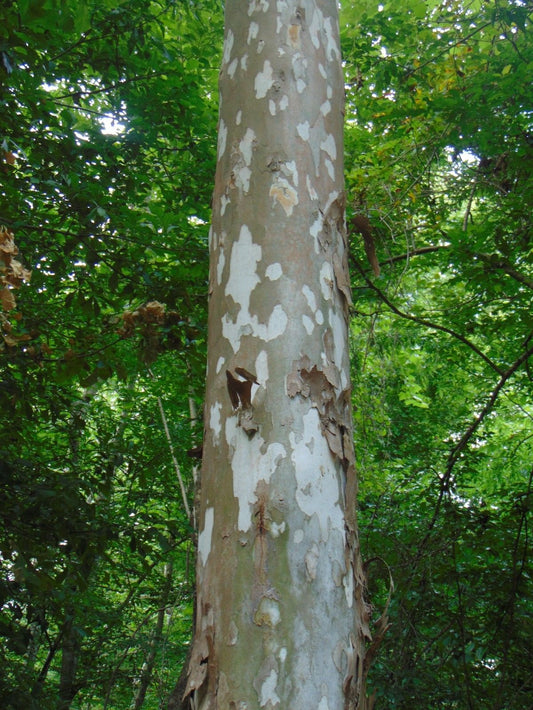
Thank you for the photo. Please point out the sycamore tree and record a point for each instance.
(281, 619)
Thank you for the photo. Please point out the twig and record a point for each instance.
(426, 323)
(173, 455)
(460, 446)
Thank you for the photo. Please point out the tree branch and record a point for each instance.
(426, 323)
(460, 446)
(173, 455)
(105, 89)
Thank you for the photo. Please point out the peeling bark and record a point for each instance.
(281, 619)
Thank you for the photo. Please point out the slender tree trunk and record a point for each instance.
(70, 649)
(155, 642)
(281, 622)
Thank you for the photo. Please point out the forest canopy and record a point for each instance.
(107, 159)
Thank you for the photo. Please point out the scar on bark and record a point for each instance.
(321, 386)
(240, 394)
(334, 242)
(198, 679)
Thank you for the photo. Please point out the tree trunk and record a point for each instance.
(281, 622)
(70, 650)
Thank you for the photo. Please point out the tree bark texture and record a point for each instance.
(281, 621)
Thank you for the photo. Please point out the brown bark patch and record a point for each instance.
(319, 385)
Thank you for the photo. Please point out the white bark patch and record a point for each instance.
(303, 130)
(298, 536)
(299, 70)
(224, 202)
(214, 419)
(242, 178)
(264, 80)
(283, 102)
(261, 368)
(277, 323)
(253, 31)
(250, 463)
(247, 324)
(244, 62)
(268, 691)
(325, 108)
(233, 634)
(222, 136)
(220, 266)
(220, 364)
(328, 145)
(243, 265)
(273, 271)
(332, 50)
(232, 67)
(330, 169)
(204, 538)
(348, 584)
(323, 704)
(267, 613)
(311, 561)
(308, 324)
(228, 46)
(272, 107)
(258, 6)
(277, 529)
(322, 70)
(317, 491)
(310, 189)
(238, 118)
(314, 29)
(291, 171)
(246, 146)
(339, 343)
(315, 230)
(282, 654)
(309, 297)
(326, 280)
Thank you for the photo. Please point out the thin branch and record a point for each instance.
(448, 49)
(415, 252)
(462, 443)
(468, 210)
(84, 38)
(104, 89)
(173, 455)
(81, 108)
(505, 266)
(426, 323)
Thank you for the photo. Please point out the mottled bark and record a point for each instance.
(281, 622)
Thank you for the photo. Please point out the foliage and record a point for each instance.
(439, 163)
(108, 133)
(106, 164)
